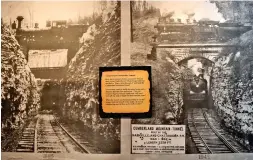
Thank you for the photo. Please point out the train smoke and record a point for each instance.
(167, 14)
(194, 64)
(189, 14)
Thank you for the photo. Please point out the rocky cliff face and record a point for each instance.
(166, 86)
(166, 74)
(233, 78)
(239, 11)
(144, 28)
(233, 87)
(100, 46)
(19, 95)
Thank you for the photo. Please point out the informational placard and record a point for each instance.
(125, 90)
(163, 139)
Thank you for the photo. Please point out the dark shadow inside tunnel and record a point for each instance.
(50, 95)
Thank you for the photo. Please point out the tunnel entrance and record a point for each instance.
(197, 82)
(50, 95)
(204, 53)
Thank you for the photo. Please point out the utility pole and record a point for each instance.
(10, 14)
(131, 19)
(78, 16)
(30, 16)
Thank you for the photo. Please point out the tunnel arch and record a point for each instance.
(210, 63)
(180, 62)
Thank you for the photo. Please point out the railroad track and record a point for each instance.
(46, 135)
(78, 136)
(207, 138)
(228, 136)
(27, 141)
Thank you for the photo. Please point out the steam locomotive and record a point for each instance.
(172, 31)
(196, 91)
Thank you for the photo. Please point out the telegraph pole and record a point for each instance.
(10, 14)
(131, 19)
(30, 17)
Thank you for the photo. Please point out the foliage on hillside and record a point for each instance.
(100, 46)
(166, 75)
(19, 96)
(235, 74)
(233, 77)
(166, 86)
(141, 8)
(145, 17)
(144, 29)
(239, 11)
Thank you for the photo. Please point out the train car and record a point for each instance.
(196, 92)
(174, 37)
(228, 30)
(56, 35)
(203, 30)
(174, 31)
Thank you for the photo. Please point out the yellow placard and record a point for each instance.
(125, 91)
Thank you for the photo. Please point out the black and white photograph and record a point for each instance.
(202, 72)
(51, 54)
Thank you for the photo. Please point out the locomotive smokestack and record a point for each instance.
(48, 23)
(20, 19)
(190, 15)
(36, 25)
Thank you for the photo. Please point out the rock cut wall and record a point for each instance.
(100, 46)
(19, 95)
(232, 87)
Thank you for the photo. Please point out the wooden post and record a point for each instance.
(36, 135)
(131, 19)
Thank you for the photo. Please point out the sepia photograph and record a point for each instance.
(50, 59)
(202, 74)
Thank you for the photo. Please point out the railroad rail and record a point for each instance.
(197, 45)
(84, 149)
(45, 134)
(27, 142)
(208, 138)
